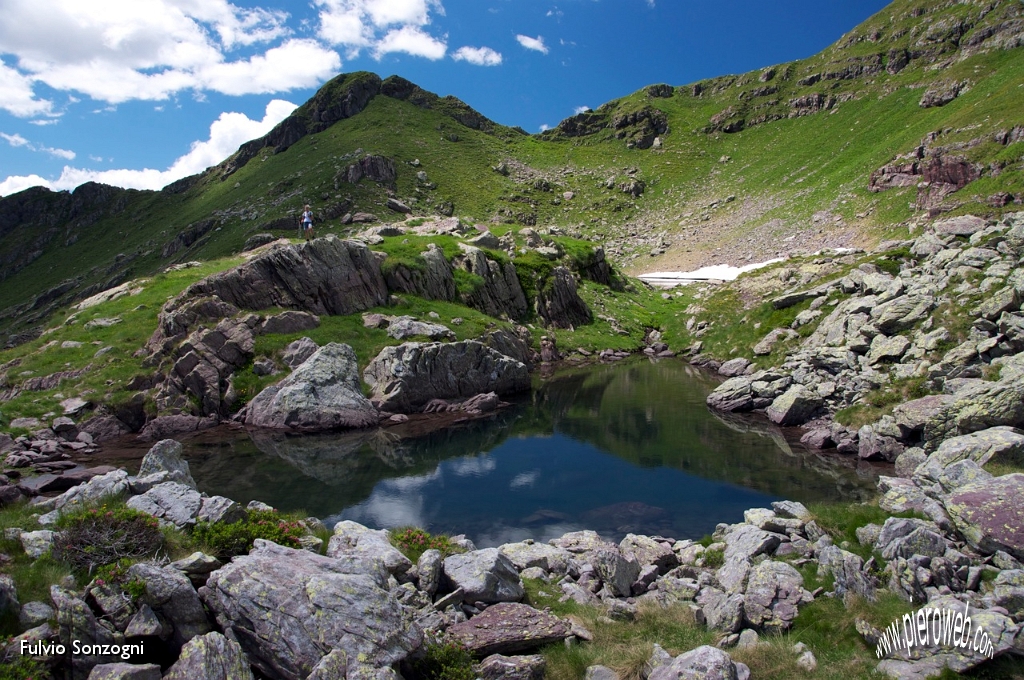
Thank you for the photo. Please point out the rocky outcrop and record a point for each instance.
(405, 378)
(989, 515)
(324, 276)
(486, 576)
(500, 293)
(323, 393)
(434, 280)
(558, 303)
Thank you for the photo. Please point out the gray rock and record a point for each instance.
(77, 623)
(434, 280)
(901, 313)
(8, 596)
(529, 554)
(734, 367)
(323, 393)
(297, 351)
(791, 510)
(902, 537)
(170, 502)
(324, 276)
(405, 378)
(616, 571)
(32, 614)
(646, 551)
(126, 671)
(600, 673)
(1003, 444)
(732, 575)
(165, 456)
(485, 575)
(960, 474)
(500, 667)
(405, 327)
(211, 657)
(220, 509)
(289, 608)
(429, 568)
(96, 489)
(989, 514)
(721, 611)
(909, 460)
(794, 407)
(289, 322)
(353, 539)
(146, 624)
(558, 302)
(197, 566)
(735, 394)
(36, 543)
(768, 342)
(774, 593)
(848, 572)
(507, 628)
(964, 225)
(171, 596)
(702, 663)
(501, 293)
(887, 349)
(747, 541)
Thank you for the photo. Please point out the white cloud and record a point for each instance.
(124, 50)
(524, 479)
(14, 140)
(411, 40)
(59, 153)
(13, 185)
(536, 44)
(481, 56)
(544, 127)
(580, 109)
(385, 26)
(17, 140)
(226, 134)
(44, 121)
(296, 63)
(17, 97)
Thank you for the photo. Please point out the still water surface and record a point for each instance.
(621, 448)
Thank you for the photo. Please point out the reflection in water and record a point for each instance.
(621, 448)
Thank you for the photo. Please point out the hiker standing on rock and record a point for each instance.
(307, 222)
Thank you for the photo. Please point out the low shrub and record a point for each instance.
(225, 541)
(443, 661)
(91, 538)
(413, 542)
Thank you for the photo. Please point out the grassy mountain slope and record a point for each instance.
(729, 169)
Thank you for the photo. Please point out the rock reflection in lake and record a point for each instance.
(622, 448)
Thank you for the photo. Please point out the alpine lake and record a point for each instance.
(621, 448)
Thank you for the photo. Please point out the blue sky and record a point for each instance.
(139, 93)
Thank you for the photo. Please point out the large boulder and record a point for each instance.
(794, 407)
(529, 554)
(351, 538)
(170, 595)
(323, 393)
(405, 327)
(324, 276)
(1004, 444)
(990, 515)
(405, 378)
(484, 575)
(96, 489)
(979, 407)
(508, 628)
(774, 593)
(169, 502)
(289, 608)
(165, 457)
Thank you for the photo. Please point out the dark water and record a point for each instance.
(618, 449)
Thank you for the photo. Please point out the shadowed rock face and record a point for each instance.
(325, 276)
(406, 377)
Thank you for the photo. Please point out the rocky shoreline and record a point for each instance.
(363, 609)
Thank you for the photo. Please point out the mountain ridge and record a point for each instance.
(787, 156)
